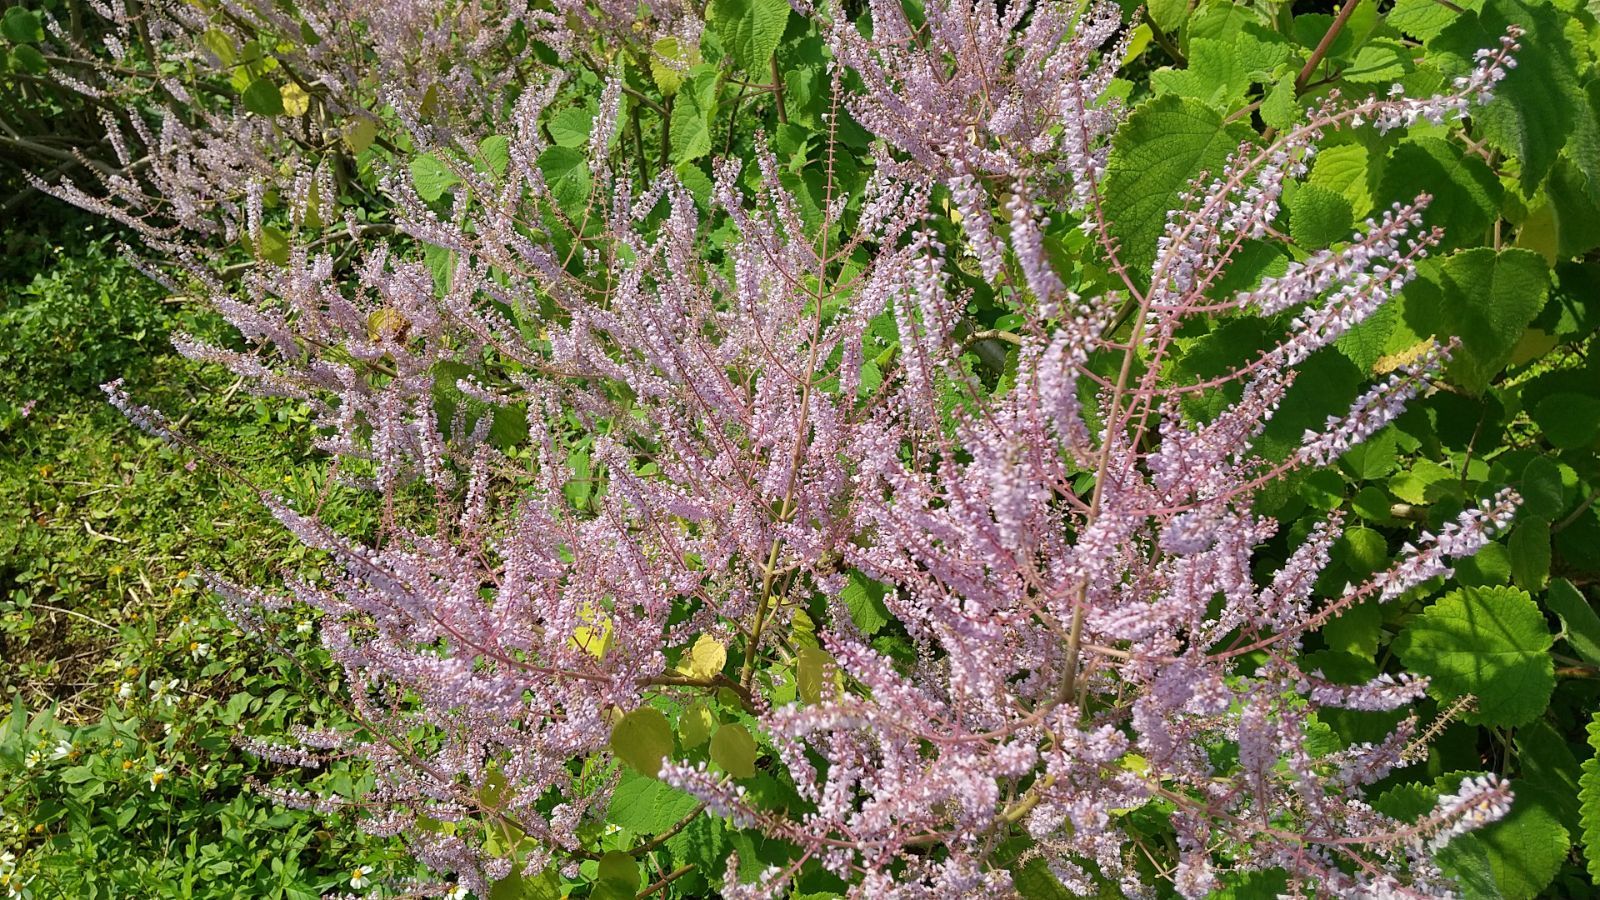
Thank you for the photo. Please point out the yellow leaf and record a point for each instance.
(812, 667)
(385, 324)
(596, 636)
(295, 100)
(705, 659)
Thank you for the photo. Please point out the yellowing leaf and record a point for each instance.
(385, 324)
(359, 134)
(595, 637)
(669, 59)
(734, 750)
(705, 659)
(642, 739)
(694, 726)
(812, 667)
(295, 99)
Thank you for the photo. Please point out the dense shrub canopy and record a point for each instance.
(899, 449)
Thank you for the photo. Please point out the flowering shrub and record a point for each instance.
(832, 450)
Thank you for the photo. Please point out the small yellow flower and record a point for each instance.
(127, 764)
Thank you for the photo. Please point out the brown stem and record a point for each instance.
(1323, 45)
(777, 91)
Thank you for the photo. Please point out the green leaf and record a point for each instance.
(1421, 19)
(544, 886)
(30, 59)
(359, 133)
(1589, 800)
(220, 44)
(734, 750)
(263, 98)
(1578, 617)
(1568, 420)
(1530, 553)
(669, 60)
(1319, 216)
(1168, 15)
(1281, 107)
(566, 172)
(571, 126)
(432, 177)
(812, 665)
(1525, 848)
(1486, 299)
(1466, 194)
(692, 113)
(1156, 153)
(1490, 642)
(273, 246)
(1550, 771)
(1384, 61)
(750, 29)
(1535, 107)
(1215, 75)
(1542, 488)
(494, 155)
(647, 806)
(77, 775)
(1491, 565)
(642, 739)
(619, 872)
(1350, 169)
(22, 26)
(864, 598)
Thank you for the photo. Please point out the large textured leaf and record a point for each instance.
(750, 29)
(1525, 848)
(1589, 800)
(1539, 104)
(1490, 642)
(692, 112)
(1486, 299)
(647, 806)
(864, 598)
(1466, 194)
(1157, 152)
(431, 177)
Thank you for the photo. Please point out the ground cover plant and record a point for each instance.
(889, 449)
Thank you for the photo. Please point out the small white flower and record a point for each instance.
(304, 627)
(199, 649)
(157, 775)
(358, 877)
(33, 758)
(62, 751)
(125, 690)
(162, 692)
(459, 892)
(8, 860)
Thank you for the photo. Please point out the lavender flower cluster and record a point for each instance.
(1073, 556)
